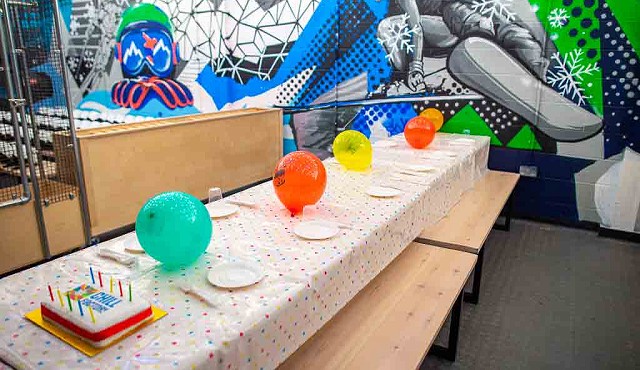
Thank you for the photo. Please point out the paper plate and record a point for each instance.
(383, 192)
(131, 244)
(314, 230)
(222, 210)
(235, 274)
(418, 167)
(385, 144)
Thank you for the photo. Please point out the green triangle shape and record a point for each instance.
(525, 139)
(467, 121)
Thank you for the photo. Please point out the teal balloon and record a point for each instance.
(174, 228)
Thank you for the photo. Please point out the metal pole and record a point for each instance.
(32, 114)
(26, 191)
(13, 62)
(84, 207)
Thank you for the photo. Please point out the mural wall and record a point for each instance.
(553, 83)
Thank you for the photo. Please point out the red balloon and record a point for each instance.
(419, 132)
(299, 180)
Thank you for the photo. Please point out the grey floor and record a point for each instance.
(552, 298)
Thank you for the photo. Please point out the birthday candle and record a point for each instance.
(50, 293)
(120, 285)
(69, 300)
(93, 279)
(111, 285)
(61, 300)
(80, 308)
(93, 318)
(129, 291)
(100, 278)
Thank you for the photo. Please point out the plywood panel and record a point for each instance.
(19, 237)
(468, 224)
(125, 165)
(393, 321)
(64, 226)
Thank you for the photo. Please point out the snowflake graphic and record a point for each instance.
(568, 73)
(396, 36)
(494, 8)
(558, 18)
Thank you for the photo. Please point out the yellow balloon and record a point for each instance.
(353, 150)
(435, 116)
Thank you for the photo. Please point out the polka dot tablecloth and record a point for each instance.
(306, 282)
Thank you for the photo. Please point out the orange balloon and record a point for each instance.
(299, 180)
(419, 132)
(435, 116)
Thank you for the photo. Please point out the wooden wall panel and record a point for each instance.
(124, 165)
(19, 237)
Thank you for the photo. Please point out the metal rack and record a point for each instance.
(34, 107)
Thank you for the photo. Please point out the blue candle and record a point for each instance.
(80, 308)
(93, 280)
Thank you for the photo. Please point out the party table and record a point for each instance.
(305, 282)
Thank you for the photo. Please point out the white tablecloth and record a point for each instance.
(306, 282)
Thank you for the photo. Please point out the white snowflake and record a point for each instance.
(494, 8)
(558, 18)
(396, 36)
(568, 74)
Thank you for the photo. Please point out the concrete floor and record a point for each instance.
(552, 298)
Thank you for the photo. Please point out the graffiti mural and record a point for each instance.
(147, 55)
(553, 83)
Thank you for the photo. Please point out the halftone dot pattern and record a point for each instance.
(305, 284)
(578, 32)
(621, 73)
(393, 117)
(363, 54)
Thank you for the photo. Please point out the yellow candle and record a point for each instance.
(93, 318)
(61, 300)
(111, 285)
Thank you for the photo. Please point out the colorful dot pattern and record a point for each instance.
(306, 282)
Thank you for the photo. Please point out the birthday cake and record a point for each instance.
(95, 316)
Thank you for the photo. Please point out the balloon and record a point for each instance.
(435, 116)
(353, 150)
(299, 180)
(174, 228)
(419, 132)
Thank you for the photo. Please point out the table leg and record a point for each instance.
(474, 295)
(449, 352)
(508, 208)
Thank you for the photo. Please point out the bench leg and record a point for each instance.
(449, 352)
(474, 295)
(507, 216)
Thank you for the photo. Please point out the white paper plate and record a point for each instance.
(314, 230)
(235, 274)
(418, 167)
(462, 142)
(131, 244)
(222, 210)
(382, 192)
(385, 144)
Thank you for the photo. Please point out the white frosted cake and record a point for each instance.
(111, 317)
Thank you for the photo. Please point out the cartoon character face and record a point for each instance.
(147, 50)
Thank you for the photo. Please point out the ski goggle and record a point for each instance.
(147, 51)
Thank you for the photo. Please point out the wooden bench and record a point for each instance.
(468, 224)
(394, 320)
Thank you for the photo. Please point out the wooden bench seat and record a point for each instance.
(394, 320)
(469, 222)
